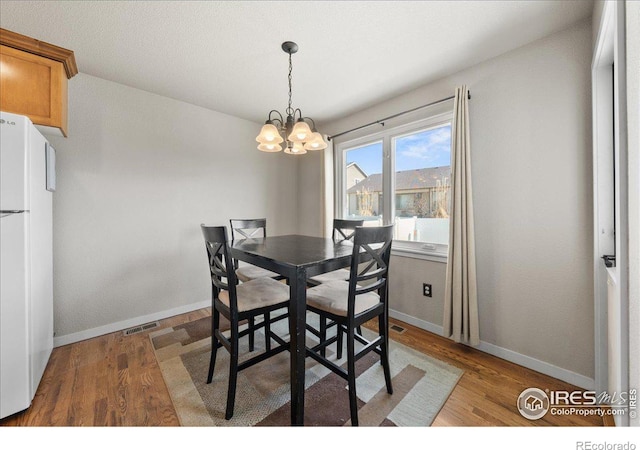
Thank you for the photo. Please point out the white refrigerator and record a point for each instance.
(27, 180)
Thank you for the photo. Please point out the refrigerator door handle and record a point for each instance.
(8, 212)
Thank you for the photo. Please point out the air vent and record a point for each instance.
(398, 329)
(140, 328)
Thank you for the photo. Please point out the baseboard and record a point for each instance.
(423, 324)
(492, 349)
(124, 324)
(508, 355)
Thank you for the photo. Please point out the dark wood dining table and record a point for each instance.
(297, 258)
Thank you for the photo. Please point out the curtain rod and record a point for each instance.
(381, 121)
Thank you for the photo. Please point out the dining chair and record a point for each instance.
(249, 229)
(343, 230)
(351, 303)
(239, 302)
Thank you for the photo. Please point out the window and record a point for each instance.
(401, 175)
(363, 182)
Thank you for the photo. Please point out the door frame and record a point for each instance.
(610, 197)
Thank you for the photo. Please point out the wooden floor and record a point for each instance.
(115, 380)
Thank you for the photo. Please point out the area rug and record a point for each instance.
(421, 384)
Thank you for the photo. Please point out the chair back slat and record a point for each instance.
(371, 249)
(344, 229)
(219, 259)
(376, 273)
(248, 228)
(370, 287)
(376, 260)
(216, 265)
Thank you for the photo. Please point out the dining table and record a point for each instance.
(297, 258)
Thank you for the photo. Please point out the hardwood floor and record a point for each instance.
(115, 380)
(486, 394)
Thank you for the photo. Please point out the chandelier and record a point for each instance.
(294, 132)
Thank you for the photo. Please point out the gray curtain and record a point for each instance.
(461, 298)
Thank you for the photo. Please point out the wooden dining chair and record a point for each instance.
(343, 231)
(249, 229)
(351, 303)
(240, 302)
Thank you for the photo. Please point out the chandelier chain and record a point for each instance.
(289, 109)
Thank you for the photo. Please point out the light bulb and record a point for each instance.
(315, 142)
(269, 135)
(295, 149)
(300, 132)
(270, 148)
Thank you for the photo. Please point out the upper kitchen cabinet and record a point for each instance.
(33, 80)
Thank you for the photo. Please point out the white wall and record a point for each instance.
(405, 285)
(310, 193)
(136, 177)
(530, 116)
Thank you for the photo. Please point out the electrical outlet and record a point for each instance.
(426, 290)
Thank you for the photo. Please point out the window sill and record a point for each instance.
(420, 254)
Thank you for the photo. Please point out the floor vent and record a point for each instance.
(140, 328)
(398, 329)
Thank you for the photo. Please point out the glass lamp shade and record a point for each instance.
(316, 142)
(300, 133)
(297, 149)
(270, 148)
(269, 135)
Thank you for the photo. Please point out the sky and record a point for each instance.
(430, 148)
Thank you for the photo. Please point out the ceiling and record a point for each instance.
(226, 56)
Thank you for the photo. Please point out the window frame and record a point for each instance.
(420, 250)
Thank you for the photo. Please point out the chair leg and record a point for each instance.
(233, 372)
(384, 351)
(339, 342)
(359, 330)
(215, 324)
(351, 371)
(267, 331)
(323, 334)
(252, 337)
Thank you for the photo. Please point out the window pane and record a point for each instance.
(422, 185)
(363, 183)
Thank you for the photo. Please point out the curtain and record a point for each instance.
(461, 299)
(327, 212)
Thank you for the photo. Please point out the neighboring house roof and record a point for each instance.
(356, 166)
(405, 179)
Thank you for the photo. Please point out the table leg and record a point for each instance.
(297, 329)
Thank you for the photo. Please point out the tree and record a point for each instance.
(434, 202)
(365, 202)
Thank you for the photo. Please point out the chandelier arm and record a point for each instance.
(312, 122)
(299, 112)
(280, 119)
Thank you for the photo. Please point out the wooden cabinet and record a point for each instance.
(33, 79)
